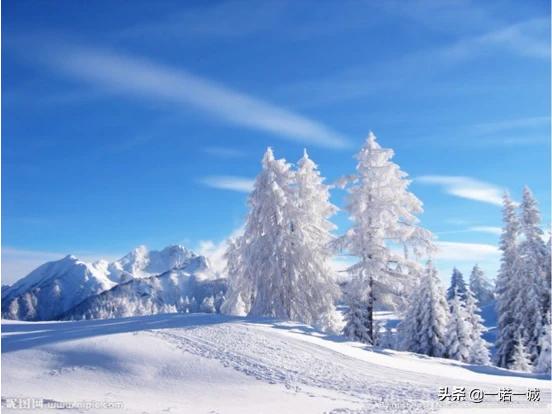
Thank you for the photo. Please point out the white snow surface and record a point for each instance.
(210, 363)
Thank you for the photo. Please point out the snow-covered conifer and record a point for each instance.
(458, 340)
(480, 286)
(520, 358)
(544, 359)
(208, 305)
(506, 288)
(533, 292)
(479, 352)
(383, 212)
(424, 328)
(457, 285)
(279, 266)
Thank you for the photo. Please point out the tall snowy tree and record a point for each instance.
(544, 360)
(423, 329)
(279, 266)
(317, 289)
(479, 351)
(507, 286)
(383, 212)
(458, 340)
(534, 291)
(480, 286)
(457, 285)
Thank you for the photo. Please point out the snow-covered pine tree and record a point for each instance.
(383, 212)
(458, 339)
(520, 358)
(545, 356)
(208, 305)
(480, 286)
(423, 329)
(240, 284)
(279, 266)
(479, 351)
(317, 290)
(457, 285)
(506, 288)
(534, 291)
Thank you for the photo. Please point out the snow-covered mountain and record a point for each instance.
(53, 288)
(142, 262)
(177, 290)
(56, 287)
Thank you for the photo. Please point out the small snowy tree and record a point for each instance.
(356, 318)
(457, 285)
(458, 342)
(480, 286)
(383, 212)
(507, 286)
(544, 359)
(479, 352)
(208, 305)
(520, 358)
(423, 329)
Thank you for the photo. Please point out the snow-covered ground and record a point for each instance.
(207, 363)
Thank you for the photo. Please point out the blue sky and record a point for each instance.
(128, 123)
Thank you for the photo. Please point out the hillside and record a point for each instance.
(219, 364)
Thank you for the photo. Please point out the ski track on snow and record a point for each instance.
(305, 369)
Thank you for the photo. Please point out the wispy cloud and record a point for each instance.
(512, 124)
(471, 252)
(466, 187)
(146, 79)
(229, 182)
(486, 229)
(528, 38)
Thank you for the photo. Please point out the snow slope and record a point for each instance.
(219, 364)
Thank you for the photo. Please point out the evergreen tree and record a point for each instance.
(317, 289)
(280, 267)
(457, 285)
(520, 357)
(383, 212)
(424, 328)
(534, 291)
(507, 287)
(458, 341)
(208, 305)
(479, 352)
(480, 286)
(544, 359)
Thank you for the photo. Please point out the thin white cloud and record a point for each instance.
(466, 187)
(486, 229)
(529, 38)
(229, 182)
(506, 125)
(471, 252)
(144, 78)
